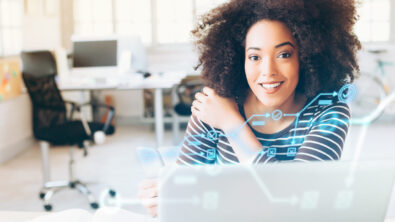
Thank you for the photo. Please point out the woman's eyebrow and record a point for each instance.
(253, 48)
(284, 43)
(277, 46)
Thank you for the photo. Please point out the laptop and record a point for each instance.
(317, 191)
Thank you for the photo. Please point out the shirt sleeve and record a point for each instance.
(327, 135)
(199, 144)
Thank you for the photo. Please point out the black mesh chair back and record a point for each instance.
(39, 71)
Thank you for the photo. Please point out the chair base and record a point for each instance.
(51, 187)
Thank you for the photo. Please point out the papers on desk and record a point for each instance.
(87, 83)
(154, 81)
(105, 214)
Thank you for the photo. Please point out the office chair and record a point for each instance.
(185, 93)
(52, 125)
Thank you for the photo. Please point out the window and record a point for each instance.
(374, 23)
(133, 17)
(203, 6)
(155, 21)
(11, 13)
(93, 17)
(176, 18)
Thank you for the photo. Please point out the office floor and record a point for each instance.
(115, 165)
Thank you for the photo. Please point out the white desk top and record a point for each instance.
(120, 82)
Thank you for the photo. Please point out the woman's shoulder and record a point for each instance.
(326, 106)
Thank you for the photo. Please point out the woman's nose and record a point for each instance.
(267, 67)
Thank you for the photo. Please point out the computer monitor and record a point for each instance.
(126, 53)
(95, 53)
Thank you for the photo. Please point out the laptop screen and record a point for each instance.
(95, 53)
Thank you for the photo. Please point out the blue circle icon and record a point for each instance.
(277, 114)
(212, 135)
(347, 93)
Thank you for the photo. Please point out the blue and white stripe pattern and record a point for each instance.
(320, 135)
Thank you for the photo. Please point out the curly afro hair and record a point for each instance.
(323, 30)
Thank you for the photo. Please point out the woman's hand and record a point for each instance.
(215, 110)
(148, 194)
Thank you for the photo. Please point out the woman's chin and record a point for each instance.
(271, 102)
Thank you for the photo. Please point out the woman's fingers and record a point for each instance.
(147, 183)
(147, 193)
(200, 97)
(195, 112)
(153, 211)
(150, 202)
(151, 205)
(208, 91)
(196, 105)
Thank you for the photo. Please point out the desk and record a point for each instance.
(128, 82)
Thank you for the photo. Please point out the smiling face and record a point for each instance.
(271, 63)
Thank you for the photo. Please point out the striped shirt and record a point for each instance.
(317, 134)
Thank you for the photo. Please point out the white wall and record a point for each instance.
(172, 58)
(16, 132)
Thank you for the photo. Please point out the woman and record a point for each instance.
(262, 57)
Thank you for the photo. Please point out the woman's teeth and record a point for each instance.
(270, 86)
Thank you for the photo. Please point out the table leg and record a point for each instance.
(159, 125)
(175, 118)
(85, 97)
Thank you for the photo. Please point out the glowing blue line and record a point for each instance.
(296, 126)
(292, 200)
(362, 136)
(313, 100)
(196, 154)
(290, 114)
(258, 123)
(196, 143)
(245, 122)
(304, 108)
(325, 102)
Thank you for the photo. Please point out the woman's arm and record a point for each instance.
(242, 140)
(197, 144)
(223, 113)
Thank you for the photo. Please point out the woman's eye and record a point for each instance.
(285, 55)
(254, 58)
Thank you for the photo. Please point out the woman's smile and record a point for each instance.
(271, 87)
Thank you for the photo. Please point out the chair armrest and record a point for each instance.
(98, 105)
(74, 106)
(110, 115)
